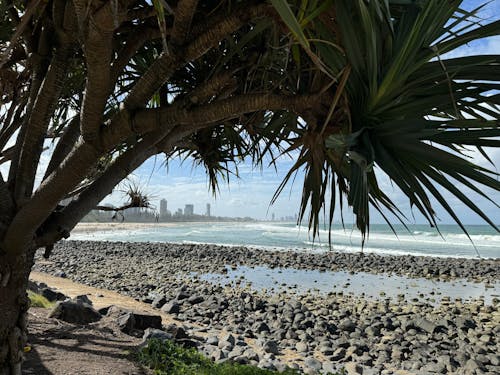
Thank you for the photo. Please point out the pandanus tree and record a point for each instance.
(352, 89)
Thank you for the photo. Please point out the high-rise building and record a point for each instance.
(208, 210)
(189, 210)
(163, 208)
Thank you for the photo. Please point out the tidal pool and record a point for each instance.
(379, 286)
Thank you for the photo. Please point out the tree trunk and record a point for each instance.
(14, 303)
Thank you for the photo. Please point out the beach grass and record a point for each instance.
(37, 300)
(166, 357)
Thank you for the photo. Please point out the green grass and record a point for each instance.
(37, 300)
(168, 358)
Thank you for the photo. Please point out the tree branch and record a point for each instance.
(37, 60)
(72, 171)
(38, 123)
(211, 88)
(15, 124)
(6, 206)
(182, 21)
(66, 143)
(148, 120)
(98, 49)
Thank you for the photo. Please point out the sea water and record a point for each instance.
(450, 241)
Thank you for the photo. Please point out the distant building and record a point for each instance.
(189, 210)
(163, 208)
(208, 210)
(272, 216)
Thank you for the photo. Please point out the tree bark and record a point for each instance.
(14, 271)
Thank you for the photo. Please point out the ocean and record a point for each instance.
(419, 240)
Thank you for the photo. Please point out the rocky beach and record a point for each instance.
(366, 331)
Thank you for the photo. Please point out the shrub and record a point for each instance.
(168, 358)
(37, 300)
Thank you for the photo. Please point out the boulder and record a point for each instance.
(426, 325)
(313, 364)
(75, 312)
(194, 300)
(177, 332)
(83, 299)
(130, 322)
(159, 301)
(154, 333)
(271, 346)
(52, 295)
(171, 308)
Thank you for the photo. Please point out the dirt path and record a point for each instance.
(60, 348)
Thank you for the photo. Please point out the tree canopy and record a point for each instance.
(350, 88)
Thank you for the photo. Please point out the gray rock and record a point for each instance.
(218, 355)
(347, 325)
(177, 332)
(353, 368)
(228, 337)
(485, 338)
(241, 359)
(52, 295)
(471, 366)
(171, 308)
(154, 333)
(83, 298)
(271, 346)
(301, 347)
(261, 327)
(494, 359)
(212, 340)
(313, 364)
(61, 274)
(159, 301)
(75, 312)
(464, 323)
(329, 367)
(433, 367)
(194, 300)
(426, 325)
(251, 355)
(266, 364)
(338, 354)
(130, 322)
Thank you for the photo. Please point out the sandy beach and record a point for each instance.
(125, 226)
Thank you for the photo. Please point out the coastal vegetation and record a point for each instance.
(37, 300)
(90, 89)
(167, 358)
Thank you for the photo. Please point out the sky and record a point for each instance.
(250, 194)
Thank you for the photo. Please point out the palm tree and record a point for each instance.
(399, 106)
(351, 88)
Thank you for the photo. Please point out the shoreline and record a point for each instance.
(324, 331)
(175, 233)
(434, 268)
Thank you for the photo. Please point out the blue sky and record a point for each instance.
(251, 193)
